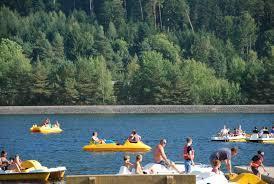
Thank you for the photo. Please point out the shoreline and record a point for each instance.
(137, 109)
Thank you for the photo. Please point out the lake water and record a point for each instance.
(65, 149)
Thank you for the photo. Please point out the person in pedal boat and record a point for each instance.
(15, 164)
(134, 137)
(224, 155)
(95, 139)
(272, 131)
(161, 158)
(256, 162)
(255, 130)
(12, 164)
(4, 162)
(188, 155)
(127, 162)
(139, 168)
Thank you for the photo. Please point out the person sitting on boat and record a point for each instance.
(255, 131)
(216, 164)
(95, 139)
(4, 162)
(138, 166)
(46, 122)
(15, 164)
(256, 162)
(265, 130)
(134, 137)
(56, 124)
(224, 131)
(261, 132)
(127, 162)
(188, 155)
(224, 155)
(161, 158)
(235, 132)
(272, 131)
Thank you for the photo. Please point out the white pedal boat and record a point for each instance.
(203, 172)
(228, 138)
(265, 138)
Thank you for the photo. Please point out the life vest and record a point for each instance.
(256, 164)
(188, 156)
(256, 161)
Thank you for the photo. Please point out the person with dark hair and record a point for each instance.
(272, 131)
(134, 137)
(161, 158)
(95, 139)
(188, 155)
(127, 162)
(224, 155)
(265, 130)
(15, 164)
(4, 162)
(256, 162)
(255, 131)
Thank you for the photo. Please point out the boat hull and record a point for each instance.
(265, 139)
(39, 176)
(229, 139)
(127, 147)
(46, 130)
(57, 173)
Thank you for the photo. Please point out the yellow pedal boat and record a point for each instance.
(245, 178)
(113, 147)
(33, 171)
(45, 129)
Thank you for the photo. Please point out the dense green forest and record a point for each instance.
(86, 52)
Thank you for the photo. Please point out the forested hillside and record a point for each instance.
(87, 52)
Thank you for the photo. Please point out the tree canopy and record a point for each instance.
(88, 52)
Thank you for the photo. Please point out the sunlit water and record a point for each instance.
(65, 149)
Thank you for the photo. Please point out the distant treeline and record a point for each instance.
(65, 52)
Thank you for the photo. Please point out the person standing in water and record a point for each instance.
(161, 158)
(188, 155)
(224, 155)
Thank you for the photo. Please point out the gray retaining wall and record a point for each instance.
(136, 109)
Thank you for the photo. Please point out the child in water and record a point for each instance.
(216, 166)
(127, 162)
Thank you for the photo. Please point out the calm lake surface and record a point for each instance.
(65, 149)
